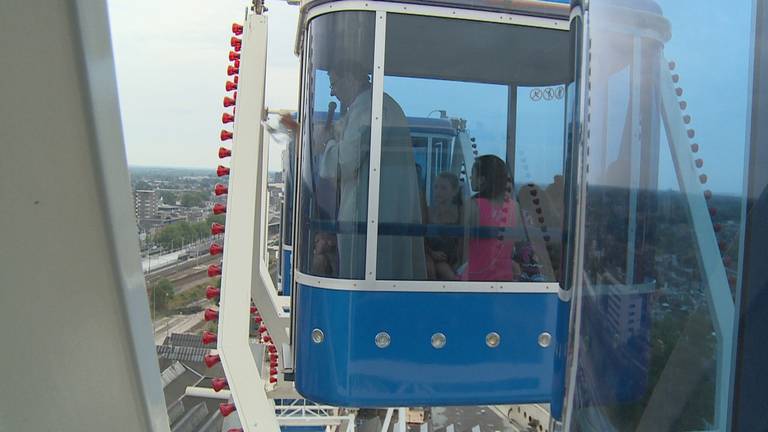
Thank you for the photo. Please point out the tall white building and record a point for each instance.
(145, 203)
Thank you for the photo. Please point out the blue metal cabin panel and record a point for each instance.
(287, 279)
(560, 359)
(347, 369)
(302, 428)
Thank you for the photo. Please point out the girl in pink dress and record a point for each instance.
(489, 256)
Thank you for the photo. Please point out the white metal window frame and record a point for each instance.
(428, 168)
(426, 285)
(371, 283)
(437, 11)
(245, 276)
(721, 304)
(431, 138)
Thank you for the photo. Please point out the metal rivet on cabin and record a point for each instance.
(545, 339)
(438, 340)
(492, 339)
(317, 336)
(382, 339)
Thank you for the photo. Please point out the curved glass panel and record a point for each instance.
(288, 159)
(336, 135)
(665, 130)
(482, 198)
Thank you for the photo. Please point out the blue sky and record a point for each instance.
(484, 106)
(711, 48)
(171, 58)
(171, 61)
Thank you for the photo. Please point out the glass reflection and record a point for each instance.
(336, 145)
(662, 227)
(487, 149)
(401, 197)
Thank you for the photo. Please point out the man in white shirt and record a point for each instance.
(346, 159)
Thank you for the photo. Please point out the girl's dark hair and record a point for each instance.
(453, 180)
(494, 171)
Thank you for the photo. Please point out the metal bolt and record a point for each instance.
(382, 339)
(317, 336)
(492, 339)
(438, 340)
(545, 339)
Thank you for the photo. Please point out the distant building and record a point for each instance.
(195, 215)
(275, 177)
(180, 358)
(151, 225)
(145, 204)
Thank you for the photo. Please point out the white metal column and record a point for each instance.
(721, 303)
(244, 273)
(377, 99)
(77, 335)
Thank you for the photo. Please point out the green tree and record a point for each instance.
(168, 197)
(202, 229)
(168, 236)
(193, 199)
(142, 185)
(215, 218)
(160, 294)
(174, 235)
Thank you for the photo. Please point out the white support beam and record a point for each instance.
(401, 414)
(301, 412)
(78, 349)
(312, 421)
(718, 290)
(374, 171)
(387, 420)
(351, 422)
(245, 274)
(635, 159)
(204, 392)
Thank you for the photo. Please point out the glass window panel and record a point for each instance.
(336, 130)
(449, 208)
(288, 159)
(539, 153)
(664, 204)
(276, 147)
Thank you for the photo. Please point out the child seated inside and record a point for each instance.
(325, 255)
(446, 209)
(489, 257)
